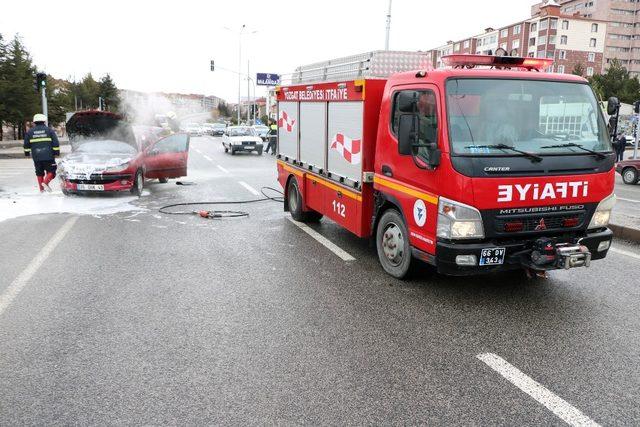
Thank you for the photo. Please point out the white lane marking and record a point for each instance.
(623, 252)
(628, 200)
(341, 253)
(14, 289)
(198, 151)
(561, 408)
(250, 188)
(222, 169)
(208, 158)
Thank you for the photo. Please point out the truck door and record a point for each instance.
(167, 158)
(409, 178)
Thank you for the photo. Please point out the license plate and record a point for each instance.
(249, 147)
(91, 187)
(492, 256)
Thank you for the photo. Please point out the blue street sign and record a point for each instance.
(266, 79)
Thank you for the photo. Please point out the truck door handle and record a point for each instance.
(386, 171)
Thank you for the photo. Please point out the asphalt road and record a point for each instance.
(141, 318)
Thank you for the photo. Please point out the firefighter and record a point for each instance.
(41, 143)
(273, 135)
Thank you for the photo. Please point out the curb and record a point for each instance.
(626, 233)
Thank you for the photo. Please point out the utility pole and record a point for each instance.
(248, 96)
(386, 41)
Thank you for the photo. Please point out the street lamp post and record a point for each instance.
(240, 33)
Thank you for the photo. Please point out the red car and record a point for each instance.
(108, 154)
(629, 170)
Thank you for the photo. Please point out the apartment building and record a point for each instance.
(622, 38)
(568, 39)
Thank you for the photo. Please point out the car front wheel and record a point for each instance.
(138, 184)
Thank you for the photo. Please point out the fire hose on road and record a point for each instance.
(219, 214)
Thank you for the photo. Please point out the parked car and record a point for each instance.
(262, 131)
(107, 156)
(241, 138)
(193, 129)
(218, 129)
(629, 170)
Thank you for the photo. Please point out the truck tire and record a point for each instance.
(630, 176)
(392, 244)
(294, 199)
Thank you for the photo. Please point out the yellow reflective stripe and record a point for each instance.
(27, 150)
(56, 148)
(406, 190)
(298, 172)
(40, 140)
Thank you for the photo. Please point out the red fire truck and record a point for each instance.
(490, 164)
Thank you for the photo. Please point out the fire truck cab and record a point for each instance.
(469, 169)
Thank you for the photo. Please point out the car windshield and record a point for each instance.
(105, 147)
(493, 117)
(241, 131)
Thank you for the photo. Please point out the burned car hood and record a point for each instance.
(88, 126)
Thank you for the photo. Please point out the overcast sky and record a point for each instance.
(167, 46)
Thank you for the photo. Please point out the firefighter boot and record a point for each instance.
(47, 179)
(40, 183)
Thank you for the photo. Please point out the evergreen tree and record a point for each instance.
(89, 90)
(20, 99)
(578, 70)
(109, 93)
(616, 81)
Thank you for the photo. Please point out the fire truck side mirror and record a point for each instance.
(407, 101)
(407, 133)
(613, 105)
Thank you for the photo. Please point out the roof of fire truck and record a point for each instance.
(486, 66)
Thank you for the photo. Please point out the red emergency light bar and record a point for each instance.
(471, 61)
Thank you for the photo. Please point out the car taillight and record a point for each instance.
(511, 227)
(570, 222)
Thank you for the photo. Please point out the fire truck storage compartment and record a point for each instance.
(288, 130)
(328, 133)
(313, 129)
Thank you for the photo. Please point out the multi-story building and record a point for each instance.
(622, 39)
(570, 40)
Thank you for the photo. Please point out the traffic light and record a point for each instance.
(41, 81)
(636, 107)
(212, 66)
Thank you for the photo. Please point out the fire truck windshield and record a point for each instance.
(501, 117)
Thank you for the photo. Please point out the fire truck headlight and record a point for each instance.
(458, 221)
(603, 212)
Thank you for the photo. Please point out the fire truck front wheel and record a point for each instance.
(294, 200)
(392, 244)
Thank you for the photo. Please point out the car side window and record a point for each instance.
(427, 111)
(176, 143)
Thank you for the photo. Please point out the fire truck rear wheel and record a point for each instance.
(294, 200)
(392, 244)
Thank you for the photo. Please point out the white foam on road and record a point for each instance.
(31, 202)
(561, 408)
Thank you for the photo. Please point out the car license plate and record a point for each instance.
(91, 187)
(492, 256)
(249, 147)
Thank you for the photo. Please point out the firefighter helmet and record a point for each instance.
(39, 118)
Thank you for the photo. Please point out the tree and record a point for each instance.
(578, 70)
(616, 81)
(20, 99)
(89, 90)
(60, 100)
(223, 109)
(109, 93)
